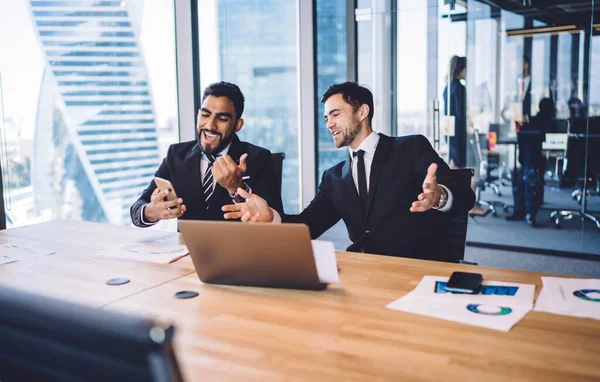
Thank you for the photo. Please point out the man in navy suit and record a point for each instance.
(207, 173)
(389, 191)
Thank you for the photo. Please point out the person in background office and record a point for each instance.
(455, 104)
(206, 173)
(388, 190)
(524, 94)
(529, 181)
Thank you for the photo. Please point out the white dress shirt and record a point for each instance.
(369, 145)
(203, 166)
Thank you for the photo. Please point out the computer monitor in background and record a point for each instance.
(555, 141)
(44, 339)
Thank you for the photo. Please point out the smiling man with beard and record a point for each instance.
(207, 173)
(389, 190)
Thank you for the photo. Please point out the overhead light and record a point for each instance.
(543, 31)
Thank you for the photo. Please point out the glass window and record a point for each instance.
(260, 57)
(331, 68)
(411, 40)
(89, 105)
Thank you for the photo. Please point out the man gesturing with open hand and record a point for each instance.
(387, 190)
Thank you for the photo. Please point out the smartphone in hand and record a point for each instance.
(464, 282)
(164, 184)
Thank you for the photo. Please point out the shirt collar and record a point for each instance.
(368, 145)
(219, 154)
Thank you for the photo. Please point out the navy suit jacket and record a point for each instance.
(387, 226)
(182, 167)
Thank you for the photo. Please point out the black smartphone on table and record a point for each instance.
(464, 282)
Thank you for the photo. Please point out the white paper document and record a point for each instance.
(11, 252)
(496, 305)
(325, 260)
(570, 297)
(148, 252)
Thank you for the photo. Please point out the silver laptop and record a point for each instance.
(266, 255)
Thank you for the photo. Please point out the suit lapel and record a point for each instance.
(381, 154)
(192, 167)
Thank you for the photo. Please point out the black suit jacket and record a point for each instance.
(387, 226)
(182, 168)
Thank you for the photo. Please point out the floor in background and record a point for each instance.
(529, 260)
(533, 262)
(570, 238)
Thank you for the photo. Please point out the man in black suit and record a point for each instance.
(387, 191)
(206, 173)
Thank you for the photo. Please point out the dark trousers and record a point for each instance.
(528, 186)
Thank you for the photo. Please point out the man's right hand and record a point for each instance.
(254, 210)
(158, 208)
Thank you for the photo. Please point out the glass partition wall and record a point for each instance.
(506, 88)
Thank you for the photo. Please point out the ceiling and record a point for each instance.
(553, 12)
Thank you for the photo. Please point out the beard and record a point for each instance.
(349, 132)
(223, 142)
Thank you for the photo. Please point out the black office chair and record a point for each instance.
(277, 159)
(495, 162)
(44, 339)
(452, 225)
(576, 146)
(478, 144)
(585, 165)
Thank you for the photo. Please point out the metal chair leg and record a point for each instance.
(559, 215)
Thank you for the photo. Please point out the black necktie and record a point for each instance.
(362, 176)
(207, 183)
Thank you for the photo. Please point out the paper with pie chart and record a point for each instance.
(147, 252)
(570, 297)
(496, 305)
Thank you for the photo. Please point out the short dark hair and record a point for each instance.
(354, 94)
(229, 90)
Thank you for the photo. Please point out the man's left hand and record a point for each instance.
(431, 194)
(228, 174)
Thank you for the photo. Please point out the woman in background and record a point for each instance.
(455, 104)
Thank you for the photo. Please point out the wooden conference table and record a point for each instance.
(343, 333)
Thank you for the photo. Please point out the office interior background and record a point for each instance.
(92, 93)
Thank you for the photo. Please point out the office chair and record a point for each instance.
(44, 339)
(482, 179)
(277, 159)
(586, 166)
(495, 162)
(593, 173)
(452, 226)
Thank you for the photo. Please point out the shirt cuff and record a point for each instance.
(276, 217)
(448, 205)
(235, 195)
(142, 217)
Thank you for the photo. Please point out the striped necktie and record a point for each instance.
(207, 183)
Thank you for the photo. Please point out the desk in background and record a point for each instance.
(245, 333)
